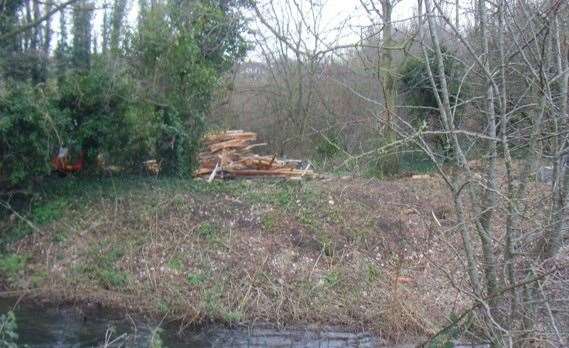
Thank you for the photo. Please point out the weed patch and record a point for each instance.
(101, 267)
(207, 230)
(372, 273)
(49, 211)
(269, 222)
(12, 265)
(37, 278)
(59, 237)
(195, 279)
(331, 279)
(112, 278)
(175, 264)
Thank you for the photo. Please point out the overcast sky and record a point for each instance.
(349, 14)
(341, 20)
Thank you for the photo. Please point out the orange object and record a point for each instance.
(61, 162)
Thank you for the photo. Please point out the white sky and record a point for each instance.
(340, 22)
(347, 13)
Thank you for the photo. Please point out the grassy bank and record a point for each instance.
(351, 253)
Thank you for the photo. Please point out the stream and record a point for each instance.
(91, 326)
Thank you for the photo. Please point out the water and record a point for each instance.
(92, 326)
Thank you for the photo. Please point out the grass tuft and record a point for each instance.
(12, 265)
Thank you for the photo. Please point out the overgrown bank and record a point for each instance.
(337, 252)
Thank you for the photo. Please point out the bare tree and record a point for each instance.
(518, 74)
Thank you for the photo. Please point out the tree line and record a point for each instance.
(124, 96)
(480, 89)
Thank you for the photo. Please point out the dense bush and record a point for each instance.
(419, 92)
(144, 99)
(98, 103)
(30, 128)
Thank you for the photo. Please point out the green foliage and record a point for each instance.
(331, 279)
(148, 99)
(12, 265)
(175, 264)
(102, 267)
(196, 279)
(95, 101)
(268, 221)
(207, 230)
(327, 147)
(415, 79)
(49, 211)
(419, 92)
(185, 52)
(112, 278)
(385, 161)
(8, 330)
(30, 127)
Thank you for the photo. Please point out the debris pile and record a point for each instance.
(152, 166)
(229, 154)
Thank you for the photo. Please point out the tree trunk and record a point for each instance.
(389, 163)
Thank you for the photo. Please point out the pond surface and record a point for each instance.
(92, 326)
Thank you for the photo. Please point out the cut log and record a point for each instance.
(230, 153)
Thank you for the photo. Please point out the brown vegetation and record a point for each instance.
(346, 253)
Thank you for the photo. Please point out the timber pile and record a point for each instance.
(229, 154)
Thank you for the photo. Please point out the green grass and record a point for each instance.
(175, 264)
(50, 211)
(207, 230)
(37, 278)
(59, 237)
(410, 161)
(112, 278)
(331, 279)
(232, 316)
(195, 279)
(372, 273)
(326, 244)
(269, 222)
(101, 266)
(12, 265)
(66, 198)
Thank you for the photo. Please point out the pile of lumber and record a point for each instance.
(229, 154)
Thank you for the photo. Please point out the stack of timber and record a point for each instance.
(229, 154)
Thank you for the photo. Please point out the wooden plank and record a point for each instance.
(231, 150)
(229, 144)
(221, 137)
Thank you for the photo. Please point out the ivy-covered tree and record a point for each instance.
(62, 54)
(82, 27)
(118, 16)
(180, 50)
(417, 88)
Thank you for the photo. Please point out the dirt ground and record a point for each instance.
(355, 253)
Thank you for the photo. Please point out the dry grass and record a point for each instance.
(351, 253)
